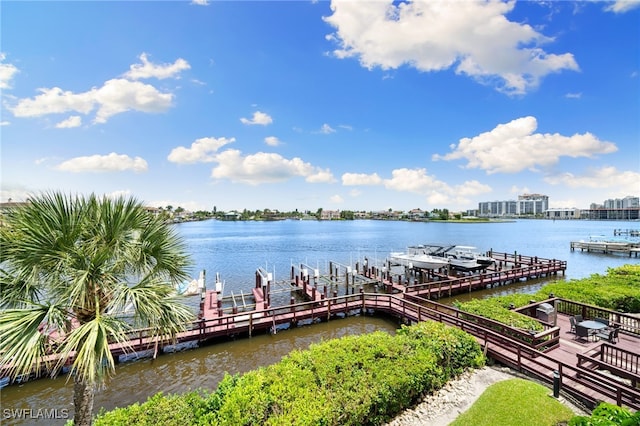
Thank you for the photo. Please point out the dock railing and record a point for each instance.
(625, 322)
(618, 361)
(523, 353)
(524, 267)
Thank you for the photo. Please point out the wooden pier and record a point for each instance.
(547, 355)
(628, 232)
(607, 247)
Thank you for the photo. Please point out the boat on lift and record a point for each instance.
(418, 257)
(461, 258)
(472, 253)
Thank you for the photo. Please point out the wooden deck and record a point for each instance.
(555, 351)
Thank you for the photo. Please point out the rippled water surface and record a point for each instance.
(237, 249)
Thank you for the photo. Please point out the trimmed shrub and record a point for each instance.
(619, 290)
(606, 414)
(354, 380)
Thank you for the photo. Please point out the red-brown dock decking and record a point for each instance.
(509, 268)
(540, 355)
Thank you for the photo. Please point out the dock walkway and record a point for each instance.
(544, 355)
(608, 247)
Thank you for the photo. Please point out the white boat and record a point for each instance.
(471, 253)
(461, 258)
(417, 257)
(193, 287)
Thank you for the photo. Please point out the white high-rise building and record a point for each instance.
(532, 204)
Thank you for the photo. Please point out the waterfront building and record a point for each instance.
(627, 208)
(329, 214)
(497, 208)
(532, 204)
(562, 213)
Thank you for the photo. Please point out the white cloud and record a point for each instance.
(326, 129)
(321, 176)
(514, 147)
(624, 182)
(263, 167)
(622, 6)
(73, 121)
(272, 141)
(14, 192)
(336, 199)
(7, 72)
(55, 101)
(573, 95)
(413, 180)
(417, 181)
(5, 123)
(203, 150)
(200, 2)
(353, 179)
(471, 188)
(437, 193)
(119, 95)
(104, 163)
(114, 97)
(517, 190)
(125, 193)
(475, 38)
(160, 71)
(259, 117)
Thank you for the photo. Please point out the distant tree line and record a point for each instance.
(179, 214)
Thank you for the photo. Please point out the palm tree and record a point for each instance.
(67, 264)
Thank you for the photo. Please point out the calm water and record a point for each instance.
(237, 249)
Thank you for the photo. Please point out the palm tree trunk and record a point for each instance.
(82, 402)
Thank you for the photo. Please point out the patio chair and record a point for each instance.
(572, 320)
(579, 318)
(602, 321)
(582, 332)
(610, 335)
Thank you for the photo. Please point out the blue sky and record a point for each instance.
(350, 105)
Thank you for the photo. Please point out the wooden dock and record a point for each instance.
(628, 232)
(607, 247)
(546, 355)
(509, 269)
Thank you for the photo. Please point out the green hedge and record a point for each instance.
(606, 414)
(618, 290)
(497, 309)
(354, 380)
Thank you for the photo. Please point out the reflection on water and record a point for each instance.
(237, 249)
(200, 368)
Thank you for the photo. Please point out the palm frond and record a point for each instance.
(15, 290)
(23, 342)
(88, 255)
(88, 346)
(157, 307)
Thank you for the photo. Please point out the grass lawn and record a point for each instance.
(515, 402)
